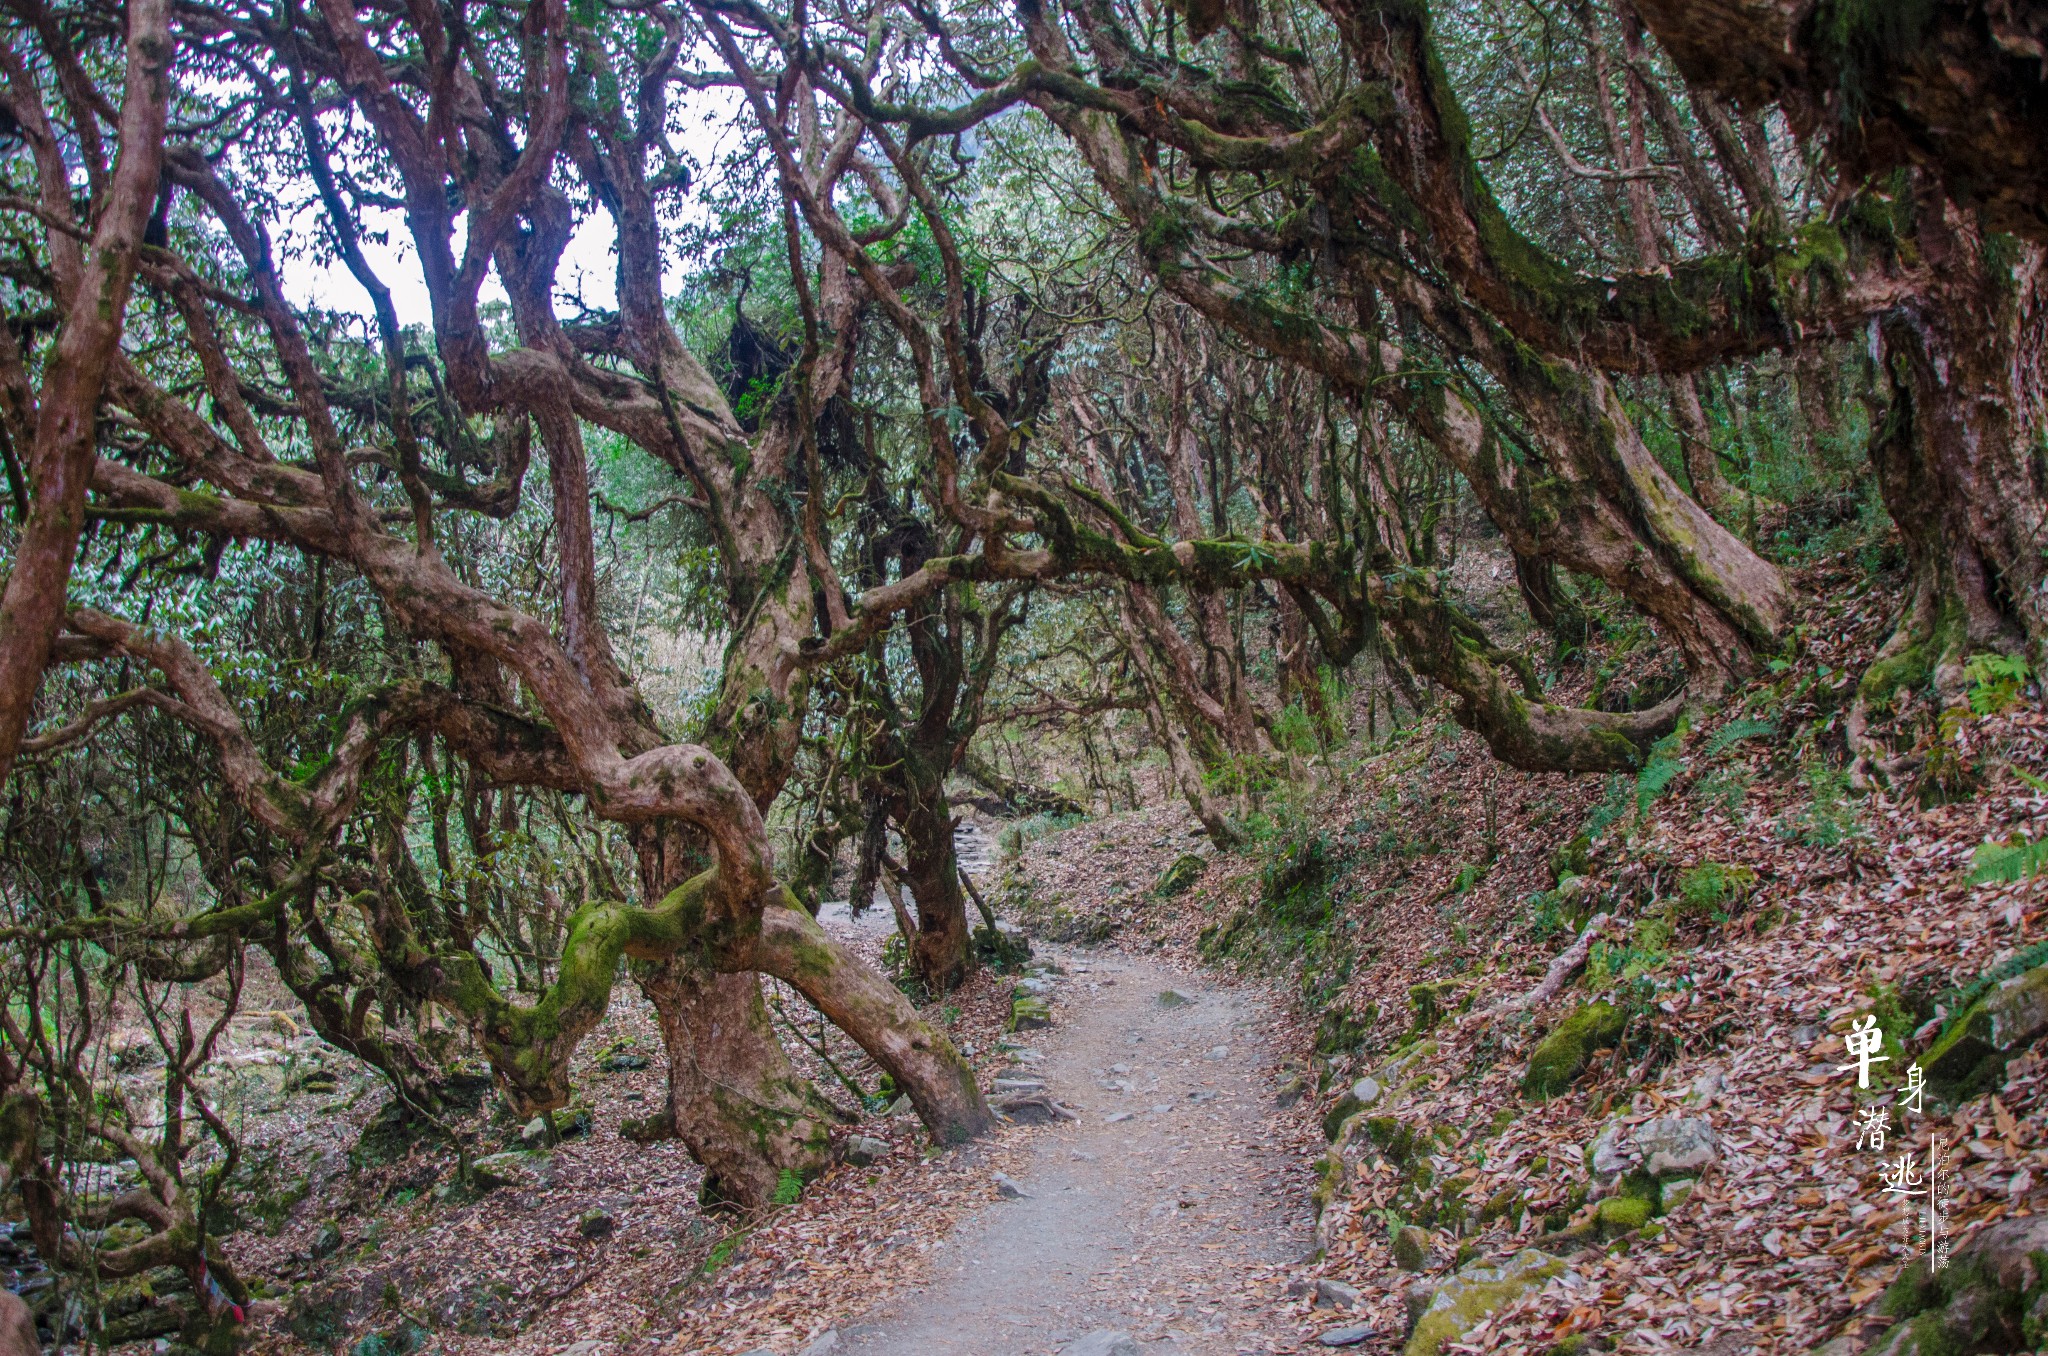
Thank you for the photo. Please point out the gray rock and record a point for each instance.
(326, 1240)
(534, 1133)
(1217, 1053)
(1113, 1117)
(1610, 1152)
(1415, 1299)
(1034, 987)
(1291, 1089)
(596, 1223)
(901, 1107)
(824, 1343)
(528, 1169)
(1411, 1248)
(1004, 1084)
(1676, 1146)
(863, 1150)
(1707, 1087)
(1173, 998)
(1348, 1336)
(1337, 1295)
(1009, 1190)
(587, 1347)
(1676, 1192)
(1367, 1091)
(1102, 1342)
(1460, 1303)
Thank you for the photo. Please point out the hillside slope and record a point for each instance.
(1662, 1149)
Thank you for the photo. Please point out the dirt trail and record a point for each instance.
(1166, 1211)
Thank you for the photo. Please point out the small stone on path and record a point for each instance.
(863, 1150)
(1337, 1295)
(1009, 1190)
(1102, 1343)
(1349, 1336)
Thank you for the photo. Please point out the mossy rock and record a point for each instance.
(1970, 1057)
(1341, 1030)
(1430, 1002)
(1467, 1298)
(1362, 1094)
(1411, 1248)
(1507, 1203)
(1992, 1296)
(1216, 940)
(527, 1169)
(1179, 878)
(1619, 1215)
(1397, 1141)
(1029, 1013)
(1564, 1053)
(1572, 858)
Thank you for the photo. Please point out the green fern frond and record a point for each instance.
(2000, 863)
(1734, 732)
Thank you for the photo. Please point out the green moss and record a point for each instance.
(1563, 1055)
(1411, 1248)
(1462, 1302)
(1620, 1214)
(1029, 1012)
(1396, 1141)
(1572, 858)
(1912, 665)
(1970, 1056)
(1179, 878)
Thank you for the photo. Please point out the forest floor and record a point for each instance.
(1175, 1208)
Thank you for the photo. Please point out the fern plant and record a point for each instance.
(2002, 863)
(1996, 681)
(1734, 732)
(1659, 771)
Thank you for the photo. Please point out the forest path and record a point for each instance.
(1165, 1211)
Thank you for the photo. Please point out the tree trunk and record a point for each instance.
(1958, 462)
(939, 951)
(1696, 442)
(734, 1100)
(924, 1062)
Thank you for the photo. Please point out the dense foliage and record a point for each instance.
(986, 401)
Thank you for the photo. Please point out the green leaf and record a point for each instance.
(2001, 863)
